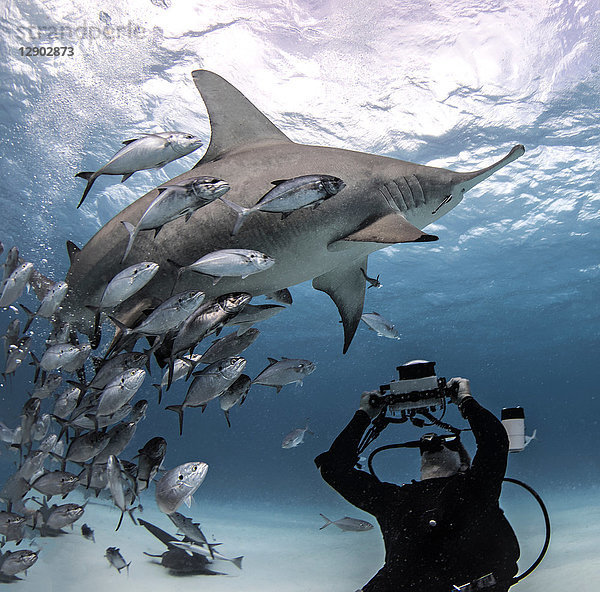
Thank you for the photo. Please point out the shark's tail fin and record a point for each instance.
(90, 177)
(241, 211)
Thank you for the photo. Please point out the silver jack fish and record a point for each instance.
(347, 524)
(290, 195)
(179, 485)
(208, 384)
(380, 325)
(114, 557)
(285, 371)
(151, 151)
(295, 437)
(229, 263)
(174, 201)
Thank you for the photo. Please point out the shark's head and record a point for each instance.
(459, 183)
(424, 197)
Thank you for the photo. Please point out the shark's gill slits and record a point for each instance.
(416, 190)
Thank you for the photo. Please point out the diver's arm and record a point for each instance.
(361, 489)
(489, 464)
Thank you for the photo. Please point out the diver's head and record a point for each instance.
(442, 456)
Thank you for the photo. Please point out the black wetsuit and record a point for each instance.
(437, 532)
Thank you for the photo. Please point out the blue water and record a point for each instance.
(508, 296)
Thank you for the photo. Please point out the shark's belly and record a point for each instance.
(298, 243)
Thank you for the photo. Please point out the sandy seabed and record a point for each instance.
(284, 551)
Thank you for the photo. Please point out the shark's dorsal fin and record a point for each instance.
(72, 250)
(279, 181)
(234, 120)
(346, 287)
(390, 229)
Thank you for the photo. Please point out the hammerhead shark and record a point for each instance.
(385, 201)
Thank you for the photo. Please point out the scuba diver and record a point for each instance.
(445, 532)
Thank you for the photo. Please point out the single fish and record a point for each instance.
(55, 518)
(109, 369)
(150, 459)
(188, 528)
(229, 263)
(49, 305)
(138, 411)
(179, 485)
(11, 263)
(14, 285)
(85, 447)
(151, 151)
(48, 386)
(59, 334)
(29, 416)
(174, 201)
(11, 526)
(290, 195)
(16, 355)
(66, 402)
(87, 533)
(118, 438)
(295, 437)
(14, 562)
(126, 283)
(380, 325)
(120, 391)
(208, 384)
(373, 282)
(285, 371)
(55, 483)
(40, 427)
(236, 393)
(348, 524)
(33, 465)
(121, 287)
(117, 487)
(11, 337)
(114, 557)
(90, 421)
(85, 350)
(57, 356)
(229, 346)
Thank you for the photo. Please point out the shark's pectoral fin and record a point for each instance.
(390, 229)
(234, 120)
(346, 287)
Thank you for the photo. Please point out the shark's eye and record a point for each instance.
(193, 468)
(181, 477)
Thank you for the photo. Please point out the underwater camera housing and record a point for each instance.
(417, 389)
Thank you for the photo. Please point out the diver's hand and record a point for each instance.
(463, 391)
(372, 410)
